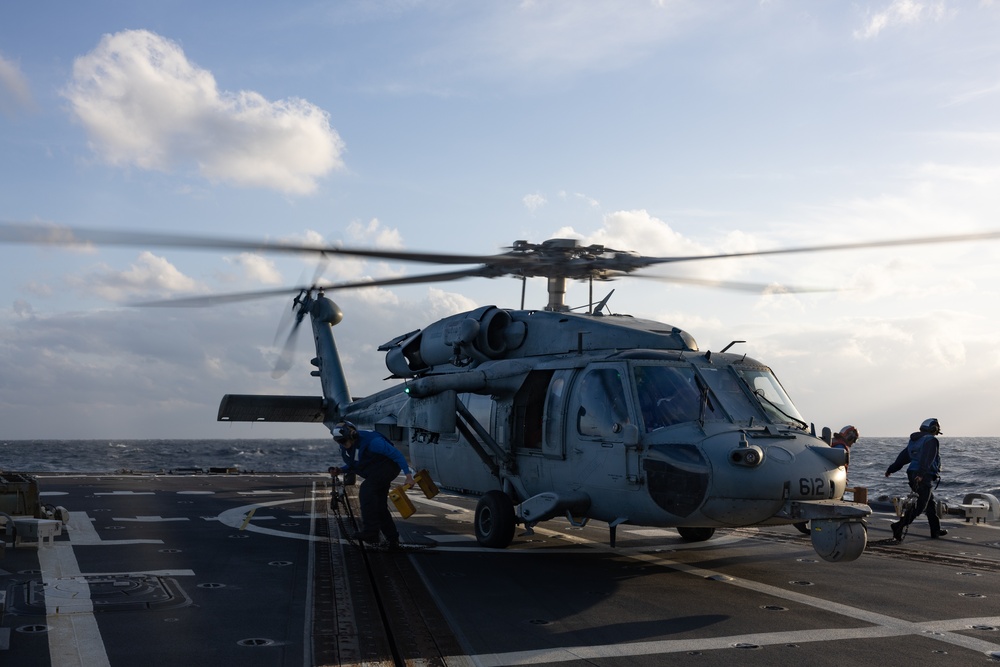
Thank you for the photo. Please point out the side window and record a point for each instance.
(602, 408)
(555, 401)
(668, 395)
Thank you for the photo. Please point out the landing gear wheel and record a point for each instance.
(495, 520)
(696, 534)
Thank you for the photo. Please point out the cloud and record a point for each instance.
(374, 232)
(256, 268)
(144, 104)
(23, 309)
(550, 42)
(160, 373)
(558, 37)
(900, 12)
(148, 277)
(534, 201)
(15, 95)
(638, 231)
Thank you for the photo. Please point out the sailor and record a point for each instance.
(370, 455)
(844, 438)
(923, 460)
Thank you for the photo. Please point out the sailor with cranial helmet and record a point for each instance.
(844, 439)
(922, 457)
(372, 456)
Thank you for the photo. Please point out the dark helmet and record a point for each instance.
(344, 430)
(931, 426)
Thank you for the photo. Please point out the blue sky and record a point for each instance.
(667, 128)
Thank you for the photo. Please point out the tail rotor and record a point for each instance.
(298, 311)
(287, 356)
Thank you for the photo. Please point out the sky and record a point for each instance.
(657, 126)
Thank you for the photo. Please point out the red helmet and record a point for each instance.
(849, 433)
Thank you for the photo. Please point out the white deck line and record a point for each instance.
(74, 638)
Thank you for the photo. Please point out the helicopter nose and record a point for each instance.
(819, 473)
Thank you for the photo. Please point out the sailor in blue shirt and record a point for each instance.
(922, 453)
(370, 455)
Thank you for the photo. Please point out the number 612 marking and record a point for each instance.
(814, 487)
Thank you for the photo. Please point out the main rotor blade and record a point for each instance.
(219, 299)
(737, 286)
(641, 262)
(15, 232)
(553, 259)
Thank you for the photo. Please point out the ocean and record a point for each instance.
(971, 465)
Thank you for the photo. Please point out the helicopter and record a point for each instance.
(545, 413)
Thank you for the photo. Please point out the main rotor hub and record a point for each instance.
(559, 260)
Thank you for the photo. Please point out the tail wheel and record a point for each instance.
(695, 534)
(495, 520)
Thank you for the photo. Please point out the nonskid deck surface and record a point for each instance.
(251, 570)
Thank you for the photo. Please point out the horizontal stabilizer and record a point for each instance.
(264, 408)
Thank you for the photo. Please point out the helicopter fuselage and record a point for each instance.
(606, 417)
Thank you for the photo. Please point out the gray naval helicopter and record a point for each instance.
(554, 413)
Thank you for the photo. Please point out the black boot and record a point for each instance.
(897, 531)
(941, 532)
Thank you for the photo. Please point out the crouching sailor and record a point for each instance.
(370, 455)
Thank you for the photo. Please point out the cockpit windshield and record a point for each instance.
(671, 395)
(772, 398)
(732, 394)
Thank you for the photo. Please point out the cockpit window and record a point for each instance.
(668, 395)
(602, 403)
(771, 396)
(731, 394)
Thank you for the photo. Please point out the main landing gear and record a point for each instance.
(495, 520)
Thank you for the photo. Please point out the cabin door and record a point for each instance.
(601, 429)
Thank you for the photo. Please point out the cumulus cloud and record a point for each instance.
(638, 230)
(148, 277)
(15, 95)
(900, 12)
(256, 269)
(374, 232)
(143, 103)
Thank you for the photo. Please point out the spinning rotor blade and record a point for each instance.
(288, 314)
(557, 260)
(737, 286)
(219, 299)
(287, 355)
(38, 234)
(638, 262)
